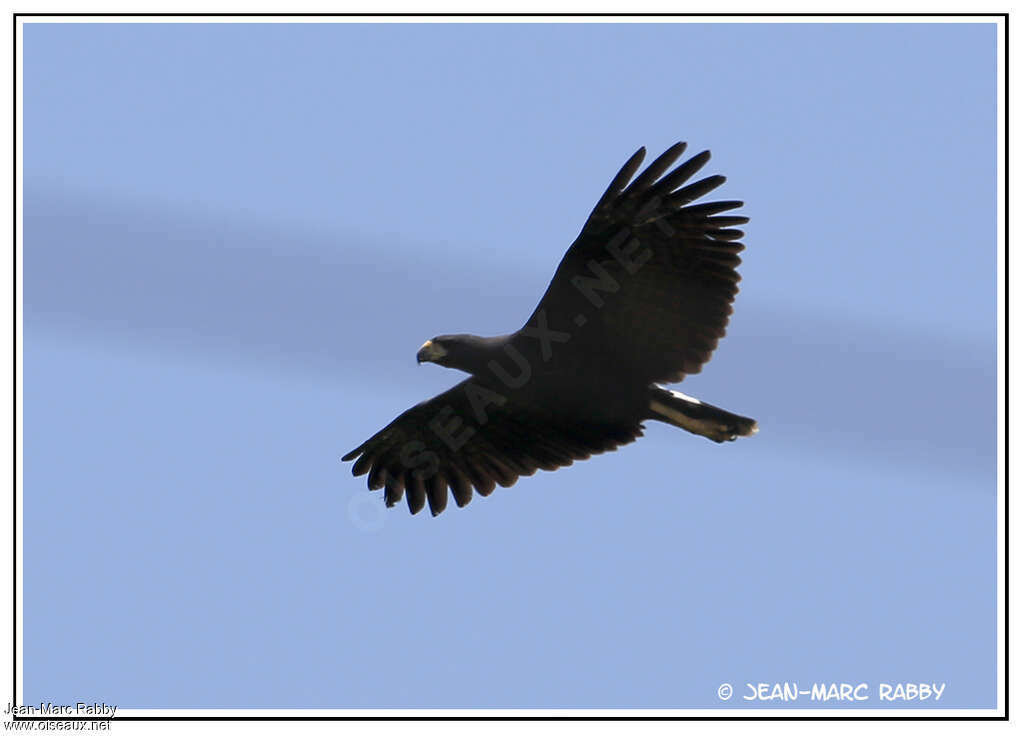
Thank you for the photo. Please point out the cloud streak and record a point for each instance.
(322, 307)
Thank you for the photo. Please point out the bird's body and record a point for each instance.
(640, 298)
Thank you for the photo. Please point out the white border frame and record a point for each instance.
(768, 713)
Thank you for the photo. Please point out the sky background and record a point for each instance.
(236, 236)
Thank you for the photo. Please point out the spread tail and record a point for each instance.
(686, 412)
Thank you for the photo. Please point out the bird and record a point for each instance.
(640, 299)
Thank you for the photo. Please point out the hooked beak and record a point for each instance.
(430, 352)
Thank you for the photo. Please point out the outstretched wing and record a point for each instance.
(472, 436)
(651, 278)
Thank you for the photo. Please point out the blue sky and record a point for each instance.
(237, 236)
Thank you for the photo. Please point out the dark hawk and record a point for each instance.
(641, 298)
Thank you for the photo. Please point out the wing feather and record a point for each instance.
(667, 271)
(408, 457)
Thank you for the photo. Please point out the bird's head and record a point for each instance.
(466, 352)
(435, 350)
